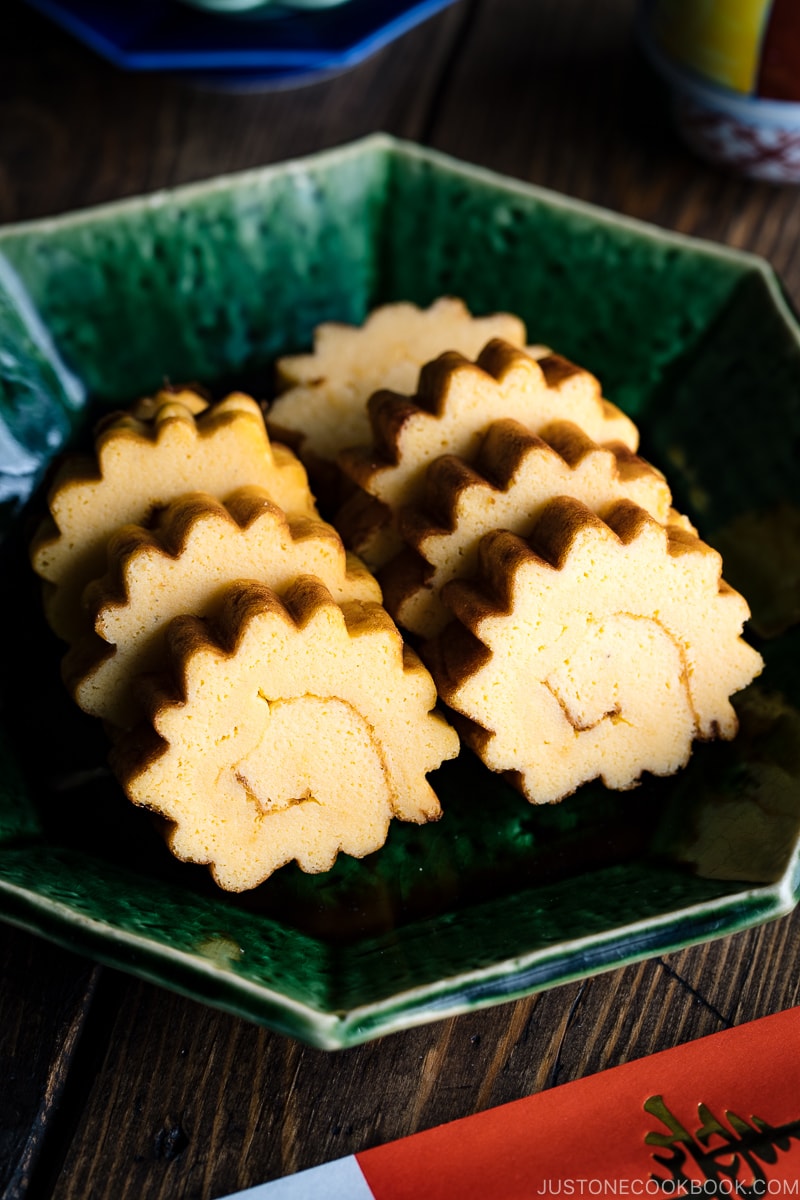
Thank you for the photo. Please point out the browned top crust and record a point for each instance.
(323, 406)
(457, 400)
(513, 475)
(593, 646)
(197, 547)
(138, 467)
(442, 381)
(290, 728)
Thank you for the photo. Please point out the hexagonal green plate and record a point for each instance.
(209, 283)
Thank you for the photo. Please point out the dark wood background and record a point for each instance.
(112, 1087)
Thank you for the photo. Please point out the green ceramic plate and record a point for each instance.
(209, 283)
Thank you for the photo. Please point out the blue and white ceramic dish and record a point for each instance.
(158, 35)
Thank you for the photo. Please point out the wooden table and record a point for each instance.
(112, 1087)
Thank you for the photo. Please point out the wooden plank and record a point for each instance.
(558, 94)
(539, 92)
(749, 974)
(45, 1002)
(188, 1102)
(573, 107)
(76, 131)
(222, 1105)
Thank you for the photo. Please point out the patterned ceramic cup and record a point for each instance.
(734, 70)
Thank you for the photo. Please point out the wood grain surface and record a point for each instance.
(112, 1087)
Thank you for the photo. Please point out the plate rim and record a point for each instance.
(440, 999)
(326, 1029)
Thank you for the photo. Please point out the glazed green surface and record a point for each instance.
(624, 302)
(209, 284)
(205, 283)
